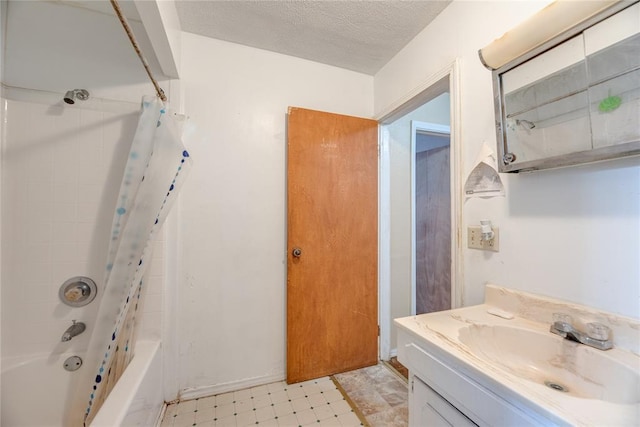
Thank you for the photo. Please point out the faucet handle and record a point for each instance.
(598, 331)
(562, 322)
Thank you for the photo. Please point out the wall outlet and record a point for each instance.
(474, 240)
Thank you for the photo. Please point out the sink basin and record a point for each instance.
(549, 360)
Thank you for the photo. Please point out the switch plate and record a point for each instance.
(474, 240)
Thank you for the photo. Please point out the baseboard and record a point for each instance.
(197, 392)
(158, 422)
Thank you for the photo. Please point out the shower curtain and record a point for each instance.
(154, 173)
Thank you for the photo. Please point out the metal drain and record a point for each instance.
(73, 363)
(556, 386)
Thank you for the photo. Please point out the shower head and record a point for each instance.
(72, 95)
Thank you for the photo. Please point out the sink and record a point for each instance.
(548, 360)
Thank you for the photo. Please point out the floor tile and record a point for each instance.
(369, 401)
(226, 422)
(305, 417)
(295, 392)
(224, 398)
(349, 420)
(246, 418)
(394, 417)
(317, 399)
(378, 393)
(265, 413)
(278, 386)
(206, 402)
(340, 407)
(262, 401)
(279, 396)
(260, 390)
(244, 405)
(380, 398)
(242, 394)
(283, 408)
(186, 407)
(184, 420)
(300, 404)
(333, 395)
(269, 423)
(324, 412)
(289, 420)
(205, 414)
(332, 422)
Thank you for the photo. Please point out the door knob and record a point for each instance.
(296, 252)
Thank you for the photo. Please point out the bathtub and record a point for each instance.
(35, 391)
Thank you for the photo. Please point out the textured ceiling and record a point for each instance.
(358, 35)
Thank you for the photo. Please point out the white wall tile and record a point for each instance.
(62, 169)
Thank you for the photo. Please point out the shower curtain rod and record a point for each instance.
(134, 43)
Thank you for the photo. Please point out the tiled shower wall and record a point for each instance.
(61, 172)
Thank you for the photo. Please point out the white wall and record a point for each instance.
(571, 233)
(434, 111)
(232, 284)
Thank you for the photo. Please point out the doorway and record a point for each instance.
(396, 259)
(430, 217)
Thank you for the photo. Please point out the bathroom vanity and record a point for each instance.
(498, 364)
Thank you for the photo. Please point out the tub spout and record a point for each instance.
(73, 330)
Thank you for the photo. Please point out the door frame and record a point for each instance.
(434, 129)
(447, 78)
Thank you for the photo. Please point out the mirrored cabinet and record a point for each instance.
(576, 102)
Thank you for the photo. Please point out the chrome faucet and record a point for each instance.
(597, 335)
(73, 330)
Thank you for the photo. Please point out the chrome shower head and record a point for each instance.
(72, 95)
(68, 97)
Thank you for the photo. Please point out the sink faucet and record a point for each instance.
(597, 335)
(73, 330)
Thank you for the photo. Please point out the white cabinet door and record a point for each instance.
(429, 409)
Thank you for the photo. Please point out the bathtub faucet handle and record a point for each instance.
(75, 329)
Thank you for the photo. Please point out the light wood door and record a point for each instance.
(332, 218)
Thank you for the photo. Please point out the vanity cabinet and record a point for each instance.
(498, 364)
(431, 409)
(443, 394)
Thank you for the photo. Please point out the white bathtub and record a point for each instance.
(35, 392)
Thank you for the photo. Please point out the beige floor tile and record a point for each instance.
(205, 414)
(377, 393)
(225, 398)
(305, 417)
(289, 420)
(265, 413)
(226, 422)
(226, 410)
(349, 420)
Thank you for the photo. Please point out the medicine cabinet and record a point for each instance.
(574, 100)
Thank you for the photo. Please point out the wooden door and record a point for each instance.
(332, 218)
